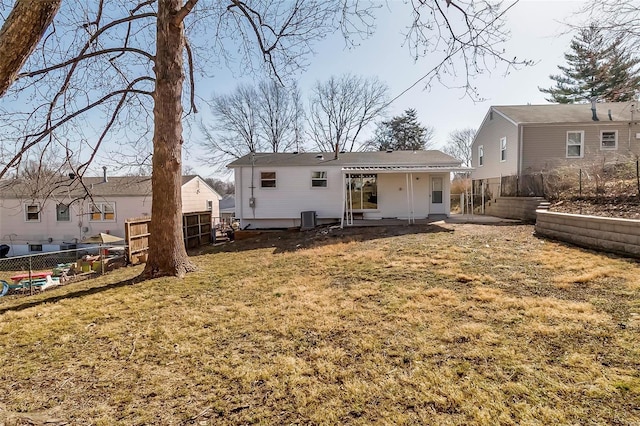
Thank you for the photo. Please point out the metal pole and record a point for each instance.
(471, 198)
(580, 184)
(30, 277)
(638, 175)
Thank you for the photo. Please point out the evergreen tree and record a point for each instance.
(402, 133)
(595, 70)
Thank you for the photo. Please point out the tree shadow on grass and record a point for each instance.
(72, 294)
(284, 241)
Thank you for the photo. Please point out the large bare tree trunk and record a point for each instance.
(167, 254)
(21, 33)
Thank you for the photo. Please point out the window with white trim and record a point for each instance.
(609, 139)
(62, 213)
(480, 156)
(209, 205)
(32, 212)
(318, 179)
(575, 144)
(503, 149)
(267, 179)
(102, 212)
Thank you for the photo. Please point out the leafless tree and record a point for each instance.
(619, 20)
(466, 37)
(280, 117)
(341, 108)
(266, 118)
(459, 145)
(95, 77)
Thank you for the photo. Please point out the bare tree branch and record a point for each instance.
(20, 34)
(87, 56)
(184, 11)
(341, 108)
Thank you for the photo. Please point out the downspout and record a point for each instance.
(406, 175)
(630, 124)
(520, 147)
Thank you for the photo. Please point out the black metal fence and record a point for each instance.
(522, 186)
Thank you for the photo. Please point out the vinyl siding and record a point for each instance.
(13, 224)
(195, 195)
(293, 194)
(489, 136)
(545, 145)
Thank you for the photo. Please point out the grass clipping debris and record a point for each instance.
(464, 324)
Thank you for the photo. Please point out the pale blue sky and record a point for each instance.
(537, 31)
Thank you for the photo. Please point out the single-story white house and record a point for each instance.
(274, 189)
(60, 213)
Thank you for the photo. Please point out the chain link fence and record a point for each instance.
(42, 270)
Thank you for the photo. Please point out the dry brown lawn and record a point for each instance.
(451, 325)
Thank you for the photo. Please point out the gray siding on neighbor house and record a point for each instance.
(489, 135)
(545, 145)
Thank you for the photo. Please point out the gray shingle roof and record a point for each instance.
(369, 158)
(123, 186)
(567, 113)
(60, 185)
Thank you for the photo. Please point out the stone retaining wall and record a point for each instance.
(522, 208)
(620, 236)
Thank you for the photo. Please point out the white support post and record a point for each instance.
(344, 199)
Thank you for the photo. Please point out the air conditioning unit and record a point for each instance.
(307, 220)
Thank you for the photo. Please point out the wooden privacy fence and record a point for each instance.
(196, 231)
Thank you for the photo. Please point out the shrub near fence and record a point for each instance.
(594, 180)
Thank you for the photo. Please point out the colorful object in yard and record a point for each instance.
(33, 275)
(101, 238)
(5, 288)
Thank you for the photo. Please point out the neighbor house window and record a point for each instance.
(35, 247)
(100, 212)
(575, 144)
(268, 179)
(609, 139)
(209, 205)
(32, 212)
(503, 149)
(318, 179)
(62, 213)
(480, 155)
(362, 191)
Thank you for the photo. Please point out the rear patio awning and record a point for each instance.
(407, 170)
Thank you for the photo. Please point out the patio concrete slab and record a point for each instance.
(433, 219)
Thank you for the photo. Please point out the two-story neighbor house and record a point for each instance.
(272, 190)
(64, 211)
(525, 139)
